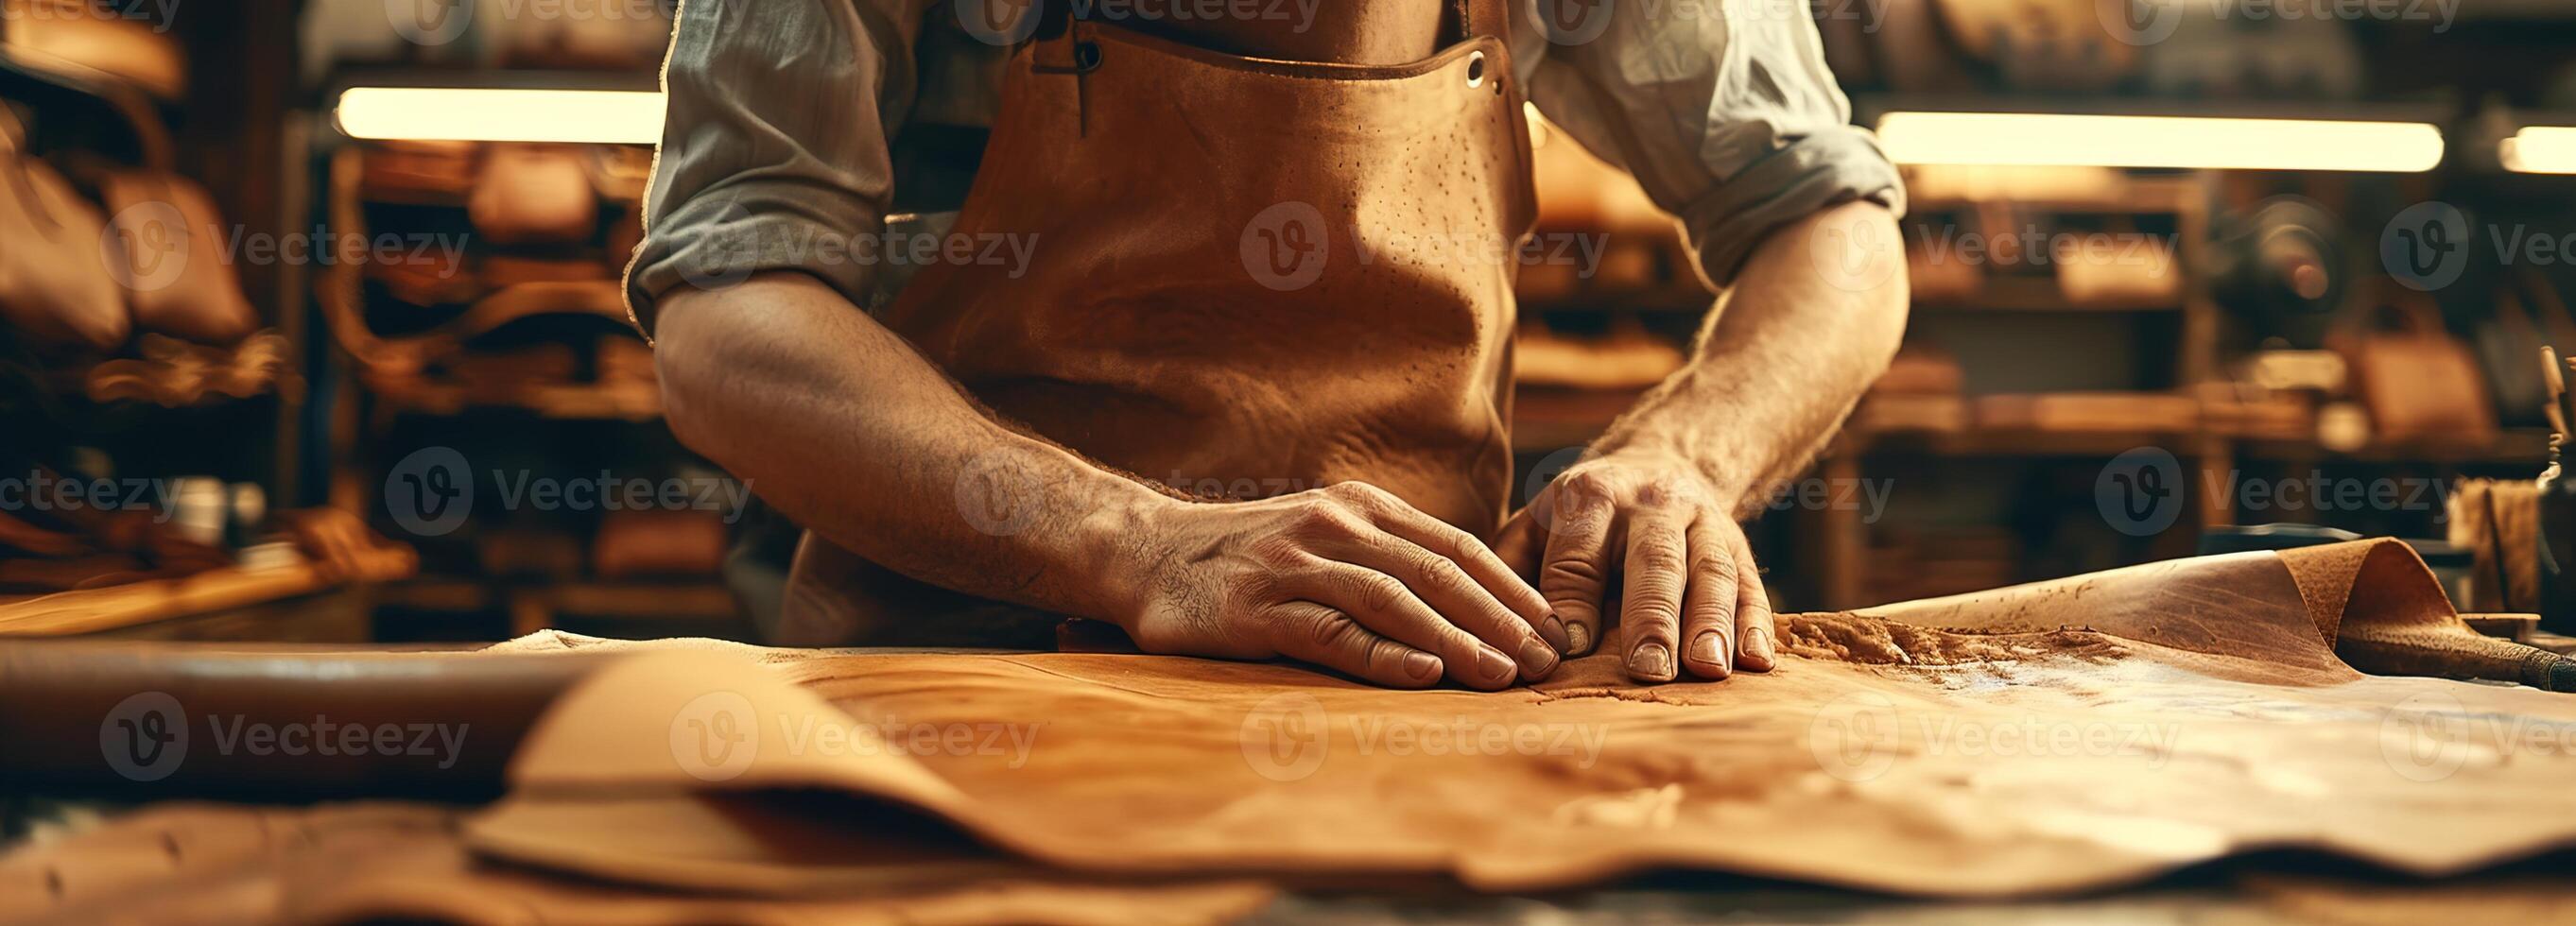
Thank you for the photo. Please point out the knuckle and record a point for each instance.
(1328, 632)
(1571, 573)
(1586, 489)
(1322, 520)
(1359, 494)
(1379, 594)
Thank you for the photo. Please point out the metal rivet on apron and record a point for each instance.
(1475, 69)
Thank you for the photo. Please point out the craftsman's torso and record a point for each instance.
(1248, 276)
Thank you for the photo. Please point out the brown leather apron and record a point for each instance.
(1245, 274)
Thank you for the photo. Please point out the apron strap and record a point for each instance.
(1481, 17)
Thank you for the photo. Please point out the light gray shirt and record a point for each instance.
(775, 153)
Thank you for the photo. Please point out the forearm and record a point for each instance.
(841, 424)
(1782, 358)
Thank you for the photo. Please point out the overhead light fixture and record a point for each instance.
(2540, 149)
(478, 114)
(2066, 140)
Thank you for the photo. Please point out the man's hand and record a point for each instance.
(1348, 577)
(1690, 589)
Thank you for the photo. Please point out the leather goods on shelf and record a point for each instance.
(85, 40)
(418, 171)
(533, 194)
(658, 544)
(1887, 413)
(2056, 46)
(2498, 521)
(506, 270)
(529, 552)
(623, 358)
(426, 277)
(1953, 185)
(2064, 412)
(590, 34)
(1911, 52)
(174, 267)
(2245, 410)
(173, 374)
(30, 540)
(2216, 52)
(1921, 368)
(1945, 281)
(2231, 687)
(55, 288)
(1578, 191)
(2146, 276)
(1920, 392)
(620, 173)
(345, 546)
(2419, 383)
(1627, 358)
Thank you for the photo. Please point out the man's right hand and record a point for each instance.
(1348, 577)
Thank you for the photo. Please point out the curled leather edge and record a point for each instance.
(2380, 607)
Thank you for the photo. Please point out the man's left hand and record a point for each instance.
(1691, 595)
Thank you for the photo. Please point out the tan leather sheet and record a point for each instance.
(2076, 734)
(2071, 735)
(375, 862)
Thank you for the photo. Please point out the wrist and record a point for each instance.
(1114, 550)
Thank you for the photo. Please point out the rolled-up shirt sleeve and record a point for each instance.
(1724, 111)
(774, 152)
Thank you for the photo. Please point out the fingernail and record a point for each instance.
(1537, 655)
(1759, 640)
(1422, 665)
(1704, 650)
(1651, 661)
(1578, 639)
(1495, 664)
(1553, 628)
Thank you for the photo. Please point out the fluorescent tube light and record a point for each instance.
(2540, 149)
(2049, 139)
(470, 114)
